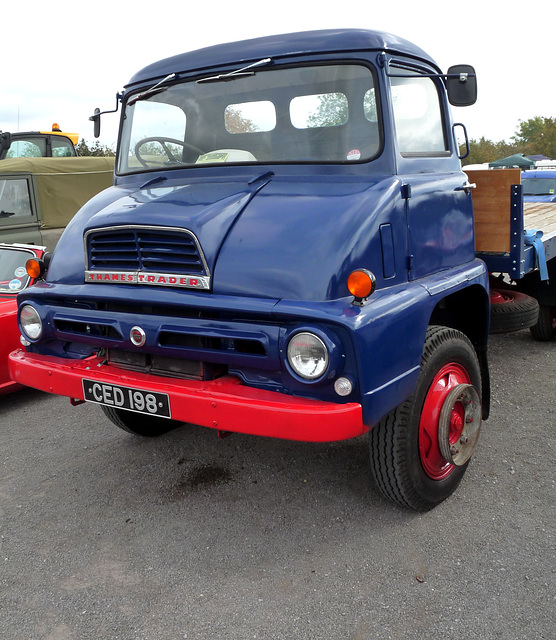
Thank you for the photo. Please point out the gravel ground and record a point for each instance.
(104, 535)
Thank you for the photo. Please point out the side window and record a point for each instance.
(15, 202)
(418, 116)
(35, 148)
(61, 148)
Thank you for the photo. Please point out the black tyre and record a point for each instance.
(512, 311)
(546, 324)
(139, 424)
(405, 447)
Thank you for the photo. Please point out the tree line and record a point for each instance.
(536, 136)
(95, 149)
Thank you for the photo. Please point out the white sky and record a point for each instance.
(61, 60)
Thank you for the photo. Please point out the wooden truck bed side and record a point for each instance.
(491, 207)
(501, 218)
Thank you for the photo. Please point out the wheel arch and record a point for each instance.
(453, 311)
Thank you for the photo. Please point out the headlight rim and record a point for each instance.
(22, 326)
(304, 378)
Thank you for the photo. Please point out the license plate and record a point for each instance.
(113, 395)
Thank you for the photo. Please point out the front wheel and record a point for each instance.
(139, 424)
(420, 451)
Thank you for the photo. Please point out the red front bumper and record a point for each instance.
(223, 404)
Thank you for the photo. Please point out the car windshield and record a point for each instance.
(13, 276)
(316, 114)
(539, 186)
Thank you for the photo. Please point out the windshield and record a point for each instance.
(13, 276)
(539, 186)
(312, 114)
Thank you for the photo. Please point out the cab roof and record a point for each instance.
(278, 47)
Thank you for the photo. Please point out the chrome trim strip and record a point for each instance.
(149, 278)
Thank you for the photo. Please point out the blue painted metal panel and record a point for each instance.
(293, 45)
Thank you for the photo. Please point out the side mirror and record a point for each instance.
(461, 82)
(5, 141)
(96, 122)
(96, 115)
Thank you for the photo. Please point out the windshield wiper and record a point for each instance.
(238, 73)
(157, 88)
(6, 214)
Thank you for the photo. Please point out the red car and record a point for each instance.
(13, 279)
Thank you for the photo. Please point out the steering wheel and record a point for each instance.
(164, 144)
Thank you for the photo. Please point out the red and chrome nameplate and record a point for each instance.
(150, 278)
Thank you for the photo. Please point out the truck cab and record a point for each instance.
(288, 250)
(38, 144)
(539, 185)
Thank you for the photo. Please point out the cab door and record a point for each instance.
(438, 205)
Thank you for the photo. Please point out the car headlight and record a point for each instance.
(307, 355)
(30, 321)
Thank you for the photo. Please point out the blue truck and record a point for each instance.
(288, 250)
(539, 185)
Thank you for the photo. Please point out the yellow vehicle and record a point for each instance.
(38, 144)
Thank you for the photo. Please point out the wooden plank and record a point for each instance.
(540, 215)
(491, 206)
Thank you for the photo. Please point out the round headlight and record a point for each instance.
(30, 322)
(307, 355)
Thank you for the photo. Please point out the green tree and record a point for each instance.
(236, 122)
(536, 136)
(484, 150)
(96, 149)
(332, 110)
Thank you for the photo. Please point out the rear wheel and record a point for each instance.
(511, 311)
(546, 324)
(420, 451)
(139, 424)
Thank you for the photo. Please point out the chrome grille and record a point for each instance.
(172, 251)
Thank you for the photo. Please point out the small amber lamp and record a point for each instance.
(361, 283)
(35, 268)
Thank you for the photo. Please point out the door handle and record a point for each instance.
(467, 186)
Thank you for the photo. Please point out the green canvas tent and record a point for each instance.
(517, 160)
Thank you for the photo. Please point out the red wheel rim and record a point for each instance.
(435, 466)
